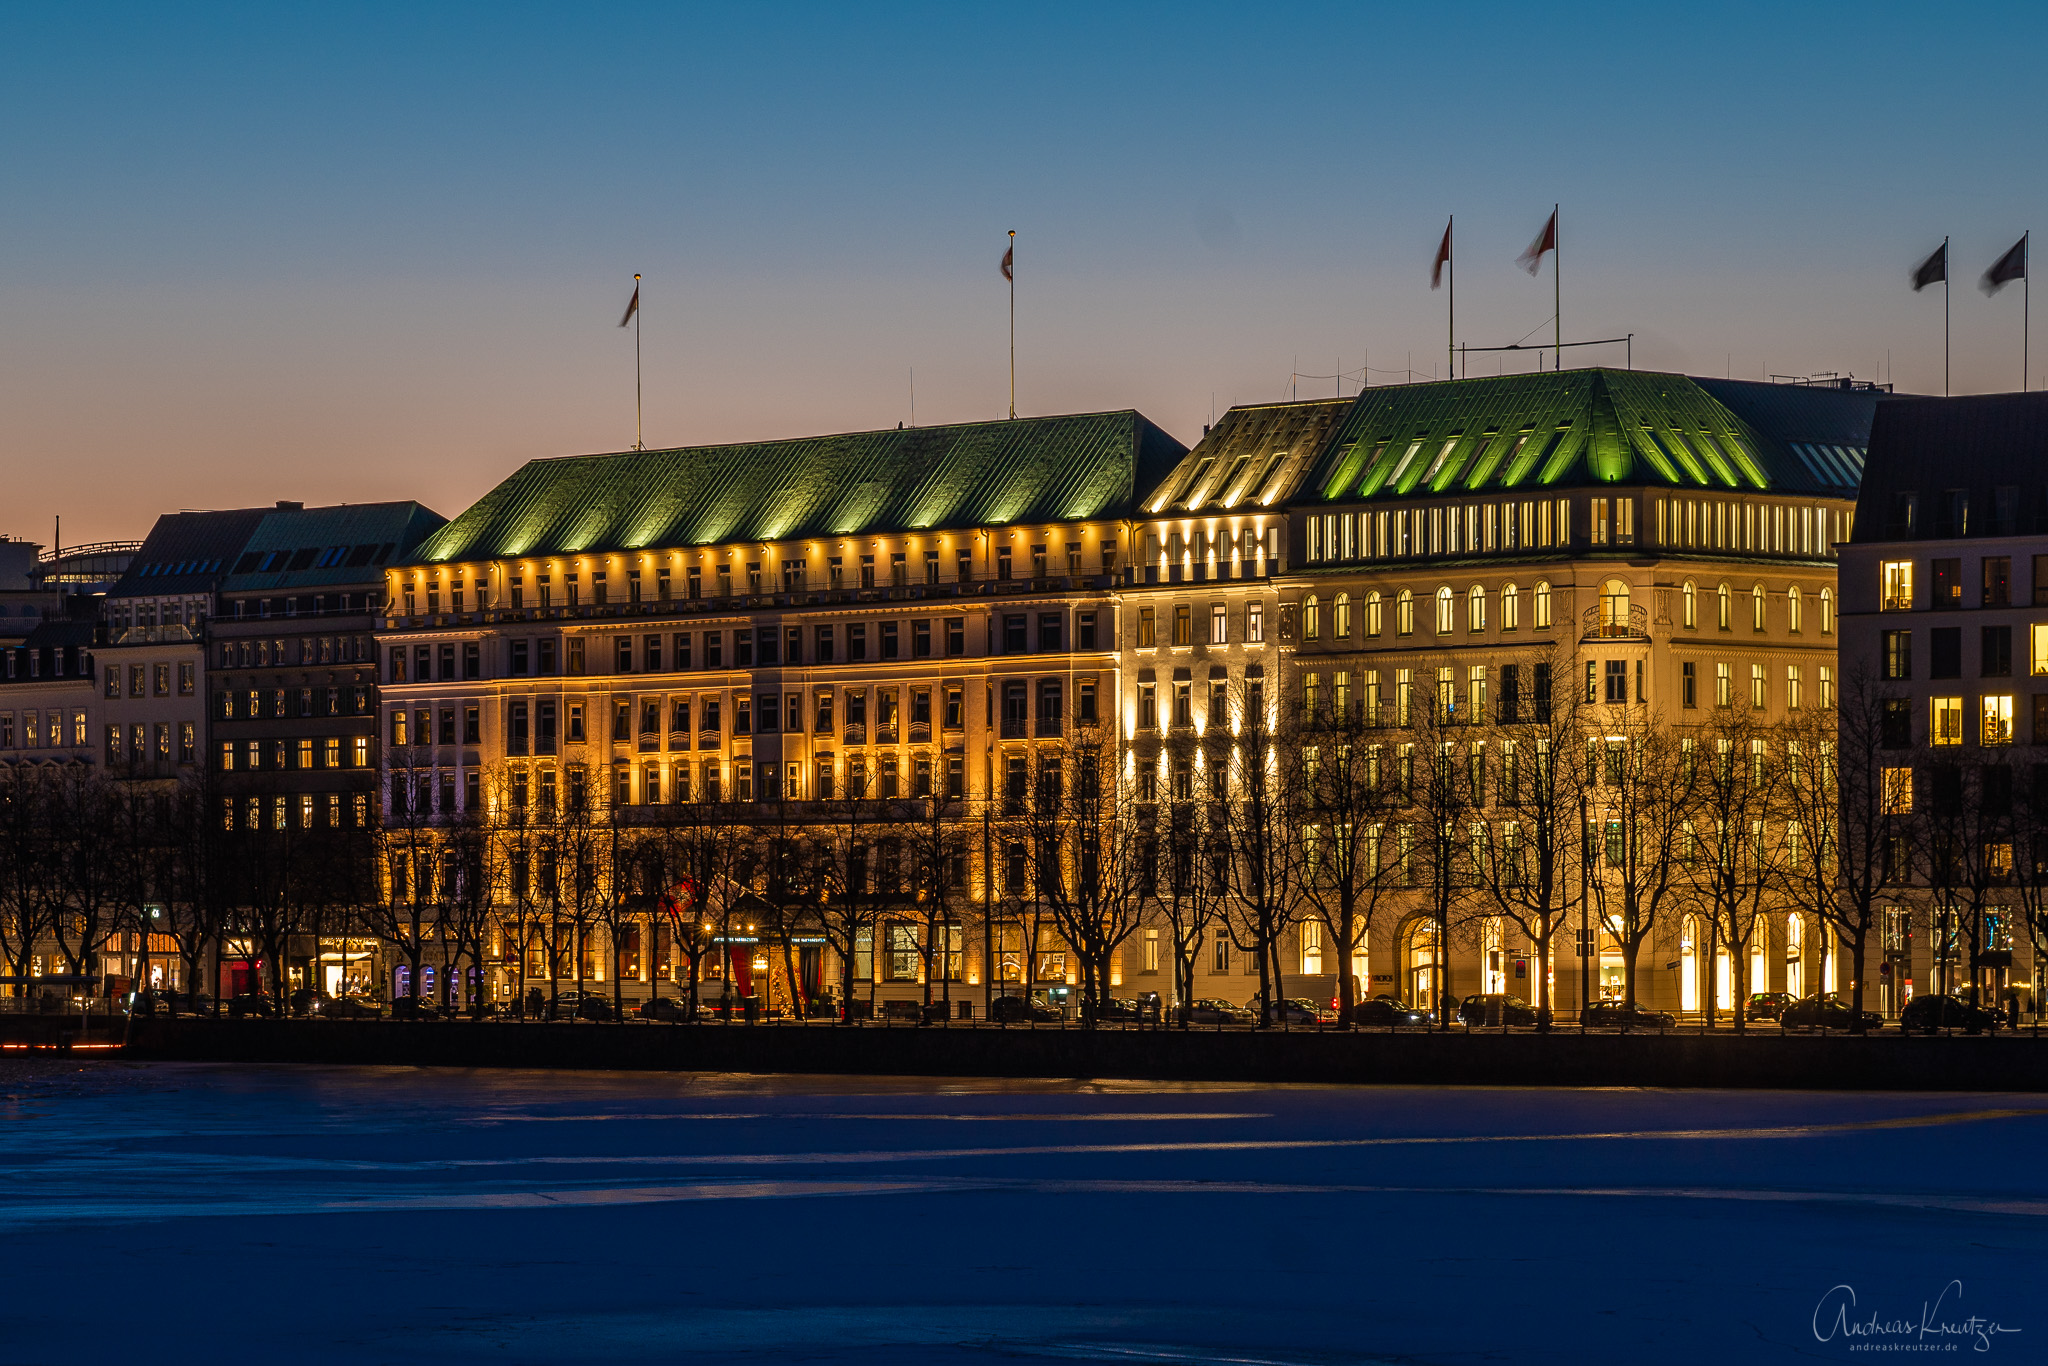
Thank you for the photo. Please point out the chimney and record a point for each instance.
(284, 506)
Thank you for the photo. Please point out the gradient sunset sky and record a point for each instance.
(351, 253)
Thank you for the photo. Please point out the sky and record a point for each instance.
(348, 253)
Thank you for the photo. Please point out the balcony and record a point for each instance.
(1616, 619)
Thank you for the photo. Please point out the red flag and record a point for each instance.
(1009, 260)
(1443, 257)
(1532, 259)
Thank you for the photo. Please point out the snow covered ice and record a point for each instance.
(196, 1213)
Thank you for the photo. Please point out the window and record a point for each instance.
(1895, 580)
(1946, 655)
(1794, 610)
(1827, 685)
(1616, 686)
(1475, 609)
(1995, 652)
(1445, 610)
(1723, 686)
(1311, 618)
(1795, 678)
(1997, 720)
(1372, 613)
(1757, 686)
(1255, 624)
(1827, 611)
(1146, 636)
(1688, 685)
(1542, 608)
(1948, 585)
(1184, 627)
(1997, 581)
(1219, 622)
(1945, 721)
(1897, 658)
(1756, 608)
(1723, 603)
(1690, 598)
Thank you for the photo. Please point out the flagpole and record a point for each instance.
(1557, 284)
(1947, 288)
(1013, 324)
(639, 440)
(1451, 330)
(2026, 302)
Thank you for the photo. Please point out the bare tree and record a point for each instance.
(1738, 827)
(1636, 778)
(1529, 872)
(1342, 805)
(1086, 857)
(1257, 825)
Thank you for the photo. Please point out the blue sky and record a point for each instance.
(372, 252)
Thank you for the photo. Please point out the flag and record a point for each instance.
(1546, 240)
(1932, 271)
(1443, 256)
(1009, 261)
(633, 306)
(2007, 268)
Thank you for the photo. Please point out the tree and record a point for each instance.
(1262, 844)
(1737, 827)
(1852, 797)
(1442, 774)
(1085, 857)
(1636, 779)
(1342, 804)
(1529, 870)
(1184, 874)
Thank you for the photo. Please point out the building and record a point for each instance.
(292, 700)
(794, 625)
(1643, 539)
(1945, 605)
(47, 692)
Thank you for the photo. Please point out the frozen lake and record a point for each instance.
(197, 1213)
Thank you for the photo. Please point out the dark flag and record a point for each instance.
(1932, 271)
(2007, 268)
(1009, 262)
(1532, 259)
(632, 306)
(1443, 257)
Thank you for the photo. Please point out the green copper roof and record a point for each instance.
(1582, 428)
(1253, 458)
(925, 478)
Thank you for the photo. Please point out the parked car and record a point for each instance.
(1387, 1011)
(1209, 1011)
(1826, 1010)
(1492, 1009)
(580, 1005)
(1932, 1013)
(1621, 1015)
(1767, 1005)
(663, 1008)
(414, 1008)
(1129, 1010)
(1299, 1011)
(1022, 1010)
(345, 1008)
(251, 1003)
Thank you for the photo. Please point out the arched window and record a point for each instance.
(1614, 608)
(1724, 606)
(1475, 609)
(1372, 612)
(1756, 608)
(1404, 614)
(1340, 623)
(1793, 609)
(1827, 611)
(1311, 618)
(1510, 607)
(1445, 609)
(1542, 608)
(1692, 605)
